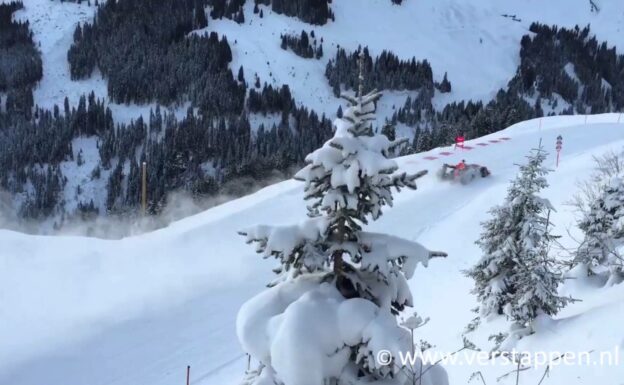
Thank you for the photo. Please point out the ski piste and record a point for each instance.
(164, 300)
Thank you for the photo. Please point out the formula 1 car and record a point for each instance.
(465, 175)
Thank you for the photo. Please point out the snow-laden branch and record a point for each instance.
(381, 251)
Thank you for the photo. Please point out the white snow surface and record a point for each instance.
(139, 310)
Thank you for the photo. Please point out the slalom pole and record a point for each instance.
(558, 158)
(188, 375)
(619, 117)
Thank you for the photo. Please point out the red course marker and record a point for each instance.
(459, 141)
(446, 153)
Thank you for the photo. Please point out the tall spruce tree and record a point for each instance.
(358, 278)
(516, 276)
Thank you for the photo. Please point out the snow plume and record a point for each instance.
(332, 308)
(7, 215)
(179, 205)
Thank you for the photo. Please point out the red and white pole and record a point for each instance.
(459, 141)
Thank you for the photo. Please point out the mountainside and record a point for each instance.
(131, 88)
(139, 310)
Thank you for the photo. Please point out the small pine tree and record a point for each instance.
(200, 16)
(241, 75)
(284, 43)
(319, 51)
(240, 16)
(603, 228)
(539, 112)
(445, 86)
(389, 131)
(516, 276)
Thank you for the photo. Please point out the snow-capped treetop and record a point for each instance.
(531, 179)
(349, 179)
(351, 173)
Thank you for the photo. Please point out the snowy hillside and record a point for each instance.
(475, 43)
(472, 41)
(139, 310)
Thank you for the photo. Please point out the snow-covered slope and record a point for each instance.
(473, 41)
(53, 24)
(477, 43)
(139, 310)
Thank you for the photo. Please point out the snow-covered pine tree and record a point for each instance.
(603, 228)
(491, 274)
(516, 276)
(333, 307)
